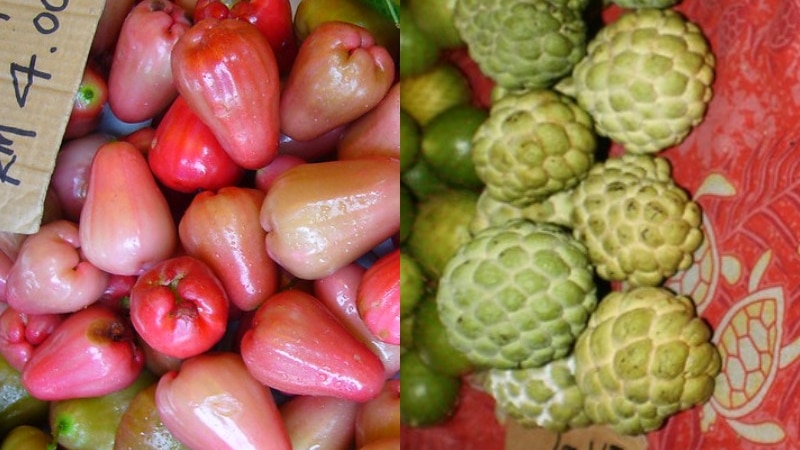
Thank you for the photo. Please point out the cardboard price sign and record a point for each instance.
(46, 45)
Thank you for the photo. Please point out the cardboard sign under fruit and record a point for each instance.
(46, 44)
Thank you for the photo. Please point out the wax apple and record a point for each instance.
(378, 298)
(126, 225)
(71, 173)
(272, 17)
(108, 27)
(267, 175)
(319, 422)
(339, 74)
(51, 276)
(321, 148)
(91, 96)
(91, 353)
(21, 333)
(376, 133)
(338, 293)
(379, 418)
(214, 402)
(321, 216)
(179, 307)
(140, 80)
(185, 155)
(26, 437)
(220, 228)
(227, 73)
(297, 346)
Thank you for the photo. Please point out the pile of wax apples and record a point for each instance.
(225, 274)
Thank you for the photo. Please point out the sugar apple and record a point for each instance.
(638, 225)
(646, 79)
(522, 43)
(532, 145)
(516, 295)
(546, 396)
(489, 211)
(644, 356)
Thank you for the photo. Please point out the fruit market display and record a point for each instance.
(548, 280)
(218, 266)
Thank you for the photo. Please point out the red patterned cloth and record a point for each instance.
(742, 165)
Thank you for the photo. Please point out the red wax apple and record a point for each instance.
(222, 229)
(320, 422)
(185, 156)
(126, 225)
(212, 401)
(140, 81)
(376, 133)
(339, 74)
(321, 216)
(21, 333)
(51, 276)
(267, 175)
(91, 96)
(297, 346)
(378, 298)
(71, 173)
(272, 17)
(179, 307)
(91, 353)
(226, 72)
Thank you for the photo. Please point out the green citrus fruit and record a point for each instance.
(433, 91)
(412, 284)
(435, 18)
(447, 145)
(418, 51)
(422, 181)
(410, 137)
(426, 397)
(430, 339)
(408, 210)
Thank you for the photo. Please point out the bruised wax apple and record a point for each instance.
(126, 225)
(213, 401)
(51, 276)
(91, 353)
(140, 78)
(322, 216)
(339, 74)
(227, 73)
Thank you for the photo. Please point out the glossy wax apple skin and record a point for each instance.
(91, 353)
(339, 74)
(320, 422)
(297, 346)
(376, 133)
(227, 73)
(126, 225)
(378, 298)
(71, 173)
(214, 402)
(220, 228)
(51, 276)
(140, 81)
(321, 216)
(185, 155)
(179, 307)
(379, 418)
(21, 333)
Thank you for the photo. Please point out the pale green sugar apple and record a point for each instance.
(533, 144)
(646, 79)
(644, 356)
(546, 396)
(522, 43)
(556, 209)
(516, 295)
(638, 225)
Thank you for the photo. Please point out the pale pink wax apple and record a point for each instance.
(212, 402)
(322, 216)
(339, 74)
(320, 422)
(140, 83)
(21, 333)
(126, 225)
(91, 353)
(51, 276)
(338, 292)
(71, 173)
(376, 133)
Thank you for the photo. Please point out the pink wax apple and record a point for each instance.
(376, 133)
(378, 298)
(140, 83)
(297, 346)
(21, 333)
(126, 225)
(339, 74)
(71, 173)
(222, 229)
(51, 276)
(322, 216)
(320, 422)
(266, 175)
(213, 401)
(338, 293)
(91, 353)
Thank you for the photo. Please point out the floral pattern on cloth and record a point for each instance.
(742, 165)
